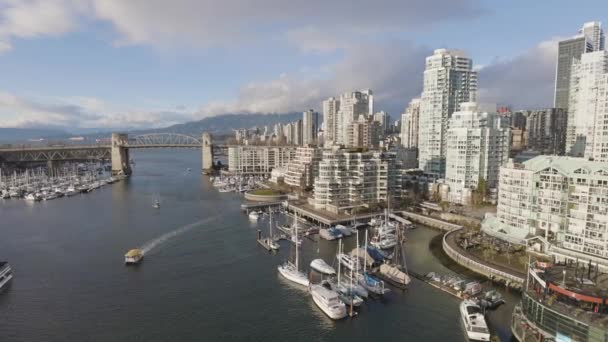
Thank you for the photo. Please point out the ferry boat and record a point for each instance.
(134, 256)
(474, 321)
(6, 274)
(328, 301)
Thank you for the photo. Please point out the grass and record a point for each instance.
(265, 192)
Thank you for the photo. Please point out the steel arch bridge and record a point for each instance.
(159, 140)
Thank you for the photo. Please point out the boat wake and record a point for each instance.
(150, 245)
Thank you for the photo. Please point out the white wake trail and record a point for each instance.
(148, 246)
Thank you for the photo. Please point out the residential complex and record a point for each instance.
(409, 124)
(364, 132)
(258, 160)
(587, 132)
(477, 145)
(590, 38)
(330, 114)
(350, 178)
(304, 167)
(562, 199)
(546, 130)
(449, 80)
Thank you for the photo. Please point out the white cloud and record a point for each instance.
(80, 113)
(525, 81)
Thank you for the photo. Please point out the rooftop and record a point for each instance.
(567, 165)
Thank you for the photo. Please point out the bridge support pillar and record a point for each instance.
(207, 151)
(120, 154)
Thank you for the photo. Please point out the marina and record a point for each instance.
(199, 239)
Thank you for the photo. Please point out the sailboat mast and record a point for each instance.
(296, 242)
(365, 263)
(339, 266)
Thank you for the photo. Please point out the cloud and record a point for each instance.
(525, 81)
(80, 113)
(393, 70)
(208, 23)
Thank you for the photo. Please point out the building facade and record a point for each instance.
(364, 133)
(331, 107)
(477, 146)
(304, 167)
(352, 105)
(546, 130)
(258, 160)
(562, 199)
(350, 179)
(449, 80)
(383, 120)
(587, 132)
(590, 38)
(409, 124)
(310, 127)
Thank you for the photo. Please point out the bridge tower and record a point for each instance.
(207, 150)
(120, 154)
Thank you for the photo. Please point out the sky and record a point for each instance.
(116, 64)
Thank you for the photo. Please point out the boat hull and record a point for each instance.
(334, 312)
(294, 276)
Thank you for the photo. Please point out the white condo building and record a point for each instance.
(304, 167)
(477, 146)
(563, 199)
(353, 179)
(330, 114)
(449, 80)
(409, 124)
(258, 160)
(587, 132)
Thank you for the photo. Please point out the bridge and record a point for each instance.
(117, 151)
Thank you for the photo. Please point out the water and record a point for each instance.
(203, 278)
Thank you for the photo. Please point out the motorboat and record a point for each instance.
(330, 234)
(385, 242)
(321, 266)
(491, 300)
(156, 204)
(134, 256)
(291, 272)
(32, 197)
(394, 275)
(254, 215)
(474, 321)
(6, 275)
(344, 230)
(328, 301)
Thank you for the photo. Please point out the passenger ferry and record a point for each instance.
(134, 256)
(474, 321)
(6, 274)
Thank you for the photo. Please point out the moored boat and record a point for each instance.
(474, 321)
(321, 266)
(328, 301)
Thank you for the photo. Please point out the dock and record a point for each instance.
(262, 242)
(260, 205)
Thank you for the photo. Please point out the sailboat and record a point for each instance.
(371, 283)
(347, 293)
(270, 239)
(156, 204)
(290, 270)
(395, 271)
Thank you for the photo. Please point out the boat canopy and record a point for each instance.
(133, 253)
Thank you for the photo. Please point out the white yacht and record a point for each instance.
(254, 215)
(291, 272)
(6, 274)
(474, 321)
(328, 301)
(321, 266)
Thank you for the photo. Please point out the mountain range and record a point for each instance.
(219, 125)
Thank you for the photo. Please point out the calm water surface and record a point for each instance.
(212, 282)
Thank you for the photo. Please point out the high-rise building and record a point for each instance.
(350, 179)
(364, 132)
(409, 124)
(298, 133)
(258, 160)
(546, 130)
(331, 107)
(477, 146)
(587, 132)
(559, 198)
(310, 127)
(449, 80)
(351, 106)
(590, 38)
(382, 118)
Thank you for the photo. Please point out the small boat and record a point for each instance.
(134, 256)
(474, 321)
(491, 300)
(5, 194)
(394, 275)
(321, 266)
(156, 204)
(372, 284)
(71, 191)
(328, 301)
(291, 272)
(344, 230)
(6, 275)
(32, 197)
(330, 234)
(254, 215)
